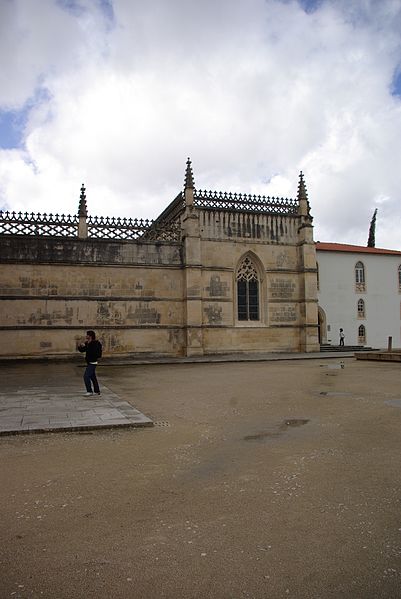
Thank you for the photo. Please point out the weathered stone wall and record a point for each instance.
(282, 301)
(52, 290)
(268, 228)
(161, 298)
(53, 250)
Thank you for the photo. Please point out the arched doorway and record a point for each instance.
(322, 325)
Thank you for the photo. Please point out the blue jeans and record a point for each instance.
(90, 376)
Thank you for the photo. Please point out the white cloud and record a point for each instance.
(253, 92)
(35, 41)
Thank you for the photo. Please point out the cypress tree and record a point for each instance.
(372, 231)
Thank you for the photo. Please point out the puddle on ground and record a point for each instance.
(394, 402)
(335, 393)
(285, 425)
(259, 436)
(293, 422)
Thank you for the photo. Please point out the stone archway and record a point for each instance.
(322, 325)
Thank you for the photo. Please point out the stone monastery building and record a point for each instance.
(214, 273)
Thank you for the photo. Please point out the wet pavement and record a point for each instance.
(46, 406)
(38, 409)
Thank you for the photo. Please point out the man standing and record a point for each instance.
(93, 351)
(342, 336)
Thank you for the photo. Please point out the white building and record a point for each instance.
(359, 290)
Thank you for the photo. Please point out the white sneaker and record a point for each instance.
(87, 394)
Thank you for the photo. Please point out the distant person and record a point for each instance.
(93, 352)
(342, 337)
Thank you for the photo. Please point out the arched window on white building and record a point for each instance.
(399, 278)
(361, 334)
(247, 290)
(361, 308)
(360, 284)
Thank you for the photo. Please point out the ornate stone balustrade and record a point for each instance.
(240, 202)
(98, 227)
(25, 223)
(169, 219)
(222, 214)
(104, 227)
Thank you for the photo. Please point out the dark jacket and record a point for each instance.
(93, 351)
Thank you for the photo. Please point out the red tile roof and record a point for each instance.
(359, 249)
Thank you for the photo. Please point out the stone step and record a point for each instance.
(345, 348)
(382, 356)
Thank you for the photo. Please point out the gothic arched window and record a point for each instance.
(360, 276)
(361, 334)
(361, 308)
(247, 290)
(359, 272)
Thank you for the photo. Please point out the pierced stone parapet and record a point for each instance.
(241, 209)
(105, 227)
(165, 232)
(172, 213)
(25, 223)
(240, 202)
(98, 227)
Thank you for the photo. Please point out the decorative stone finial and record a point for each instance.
(82, 210)
(303, 202)
(302, 193)
(189, 178)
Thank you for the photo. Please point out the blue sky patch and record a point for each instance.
(13, 122)
(12, 125)
(76, 8)
(396, 84)
(310, 5)
(72, 6)
(107, 8)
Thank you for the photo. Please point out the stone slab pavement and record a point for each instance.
(39, 409)
(41, 405)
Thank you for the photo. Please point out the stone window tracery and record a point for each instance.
(361, 308)
(247, 291)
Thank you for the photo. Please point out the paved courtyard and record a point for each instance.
(64, 408)
(259, 480)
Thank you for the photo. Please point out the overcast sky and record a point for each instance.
(117, 94)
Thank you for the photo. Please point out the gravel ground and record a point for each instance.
(259, 480)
